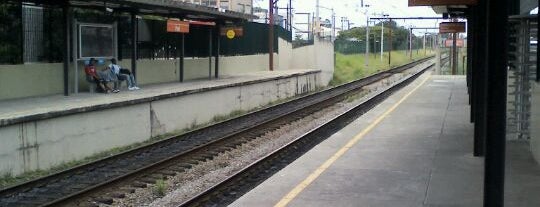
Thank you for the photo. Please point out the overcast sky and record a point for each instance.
(353, 10)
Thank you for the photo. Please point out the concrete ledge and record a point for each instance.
(6, 119)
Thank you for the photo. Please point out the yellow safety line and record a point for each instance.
(315, 174)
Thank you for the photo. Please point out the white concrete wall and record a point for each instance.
(318, 56)
(43, 144)
(535, 122)
(39, 79)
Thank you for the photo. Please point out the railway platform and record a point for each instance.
(41, 132)
(413, 149)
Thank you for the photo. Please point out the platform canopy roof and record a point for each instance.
(525, 7)
(168, 8)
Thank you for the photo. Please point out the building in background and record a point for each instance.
(243, 6)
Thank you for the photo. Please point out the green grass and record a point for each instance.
(352, 67)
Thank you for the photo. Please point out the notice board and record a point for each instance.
(96, 41)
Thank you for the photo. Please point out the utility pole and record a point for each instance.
(333, 37)
(367, 34)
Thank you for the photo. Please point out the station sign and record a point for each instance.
(232, 32)
(177, 26)
(452, 27)
(441, 2)
(450, 43)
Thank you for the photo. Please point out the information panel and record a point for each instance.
(452, 27)
(441, 2)
(96, 41)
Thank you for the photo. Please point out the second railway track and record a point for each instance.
(142, 166)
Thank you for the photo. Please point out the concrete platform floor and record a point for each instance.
(39, 106)
(419, 155)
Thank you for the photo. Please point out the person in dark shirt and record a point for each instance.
(93, 76)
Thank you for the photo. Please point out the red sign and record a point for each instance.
(450, 43)
(177, 26)
(441, 2)
(452, 27)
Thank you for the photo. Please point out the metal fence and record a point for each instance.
(34, 34)
(355, 47)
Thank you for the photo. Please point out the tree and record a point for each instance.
(400, 34)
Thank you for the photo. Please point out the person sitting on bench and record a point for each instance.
(93, 76)
(124, 74)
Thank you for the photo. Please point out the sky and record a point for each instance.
(353, 10)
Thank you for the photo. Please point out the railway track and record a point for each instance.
(101, 181)
(233, 187)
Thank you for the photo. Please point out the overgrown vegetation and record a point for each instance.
(160, 188)
(352, 67)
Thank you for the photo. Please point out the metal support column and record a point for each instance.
(494, 172)
(134, 42)
(271, 36)
(67, 22)
(367, 41)
(182, 56)
(210, 53)
(470, 45)
(454, 54)
(480, 81)
(216, 69)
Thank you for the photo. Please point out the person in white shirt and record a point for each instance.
(123, 74)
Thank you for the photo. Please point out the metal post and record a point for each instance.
(216, 70)
(391, 46)
(291, 16)
(210, 53)
(425, 51)
(134, 48)
(410, 43)
(454, 54)
(271, 36)
(75, 54)
(67, 19)
(375, 46)
(494, 172)
(367, 40)
(382, 40)
(182, 56)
